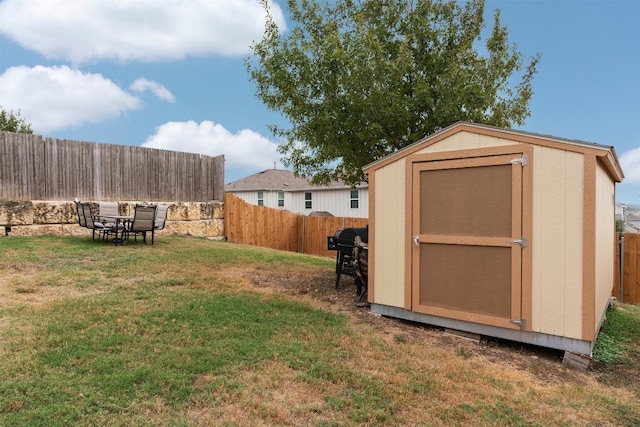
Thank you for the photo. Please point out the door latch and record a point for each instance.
(522, 242)
(416, 240)
(522, 160)
(520, 322)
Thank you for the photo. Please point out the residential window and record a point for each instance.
(281, 199)
(260, 198)
(354, 201)
(307, 201)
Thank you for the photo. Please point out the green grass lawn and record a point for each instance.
(195, 332)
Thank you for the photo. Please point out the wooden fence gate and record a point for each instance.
(631, 269)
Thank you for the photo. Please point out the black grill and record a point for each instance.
(344, 242)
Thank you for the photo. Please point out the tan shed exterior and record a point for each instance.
(561, 200)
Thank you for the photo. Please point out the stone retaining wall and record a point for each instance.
(31, 218)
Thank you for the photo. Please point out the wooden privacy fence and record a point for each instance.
(631, 269)
(37, 168)
(278, 229)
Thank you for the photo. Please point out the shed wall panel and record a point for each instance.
(605, 240)
(557, 242)
(573, 236)
(390, 210)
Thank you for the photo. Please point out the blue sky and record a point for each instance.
(170, 74)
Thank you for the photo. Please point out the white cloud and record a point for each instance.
(246, 150)
(146, 30)
(630, 162)
(143, 85)
(54, 98)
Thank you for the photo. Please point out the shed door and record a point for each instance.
(467, 219)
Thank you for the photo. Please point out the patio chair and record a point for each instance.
(143, 221)
(82, 221)
(161, 219)
(92, 223)
(105, 211)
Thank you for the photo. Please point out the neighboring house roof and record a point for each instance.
(632, 222)
(633, 218)
(279, 180)
(630, 228)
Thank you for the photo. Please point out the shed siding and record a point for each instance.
(390, 210)
(557, 242)
(605, 241)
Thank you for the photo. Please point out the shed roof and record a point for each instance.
(606, 153)
(279, 180)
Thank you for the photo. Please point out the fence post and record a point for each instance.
(304, 222)
(621, 267)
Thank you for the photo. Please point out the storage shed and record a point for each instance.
(495, 232)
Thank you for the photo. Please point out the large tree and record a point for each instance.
(359, 79)
(13, 122)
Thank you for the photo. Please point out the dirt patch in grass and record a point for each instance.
(618, 376)
(317, 286)
(19, 288)
(272, 396)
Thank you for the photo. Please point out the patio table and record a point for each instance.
(118, 227)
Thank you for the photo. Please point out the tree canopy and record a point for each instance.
(12, 122)
(360, 79)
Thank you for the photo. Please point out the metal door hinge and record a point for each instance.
(520, 322)
(522, 242)
(522, 160)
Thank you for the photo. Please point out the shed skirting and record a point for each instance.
(534, 338)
